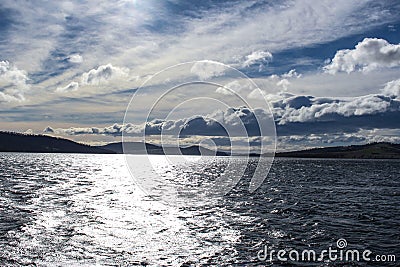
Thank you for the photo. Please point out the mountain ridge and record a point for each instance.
(20, 142)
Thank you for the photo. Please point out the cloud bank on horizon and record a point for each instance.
(329, 70)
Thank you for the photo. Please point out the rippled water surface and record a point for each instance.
(85, 210)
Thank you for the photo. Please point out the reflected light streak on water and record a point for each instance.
(88, 208)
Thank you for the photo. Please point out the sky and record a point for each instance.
(323, 72)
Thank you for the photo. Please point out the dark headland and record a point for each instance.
(19, 142)
(380, 150)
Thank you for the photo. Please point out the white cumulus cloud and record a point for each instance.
(315, 110)
(98, 76)
(369, 54)
(13, 83)
(392, 89)
(260, 57)
(103, 74)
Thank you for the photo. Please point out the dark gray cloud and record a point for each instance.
(215, 124)
(294, 115)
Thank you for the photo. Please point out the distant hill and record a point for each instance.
(142, 148)
(132, 147)
(17, 142)
(368, 151)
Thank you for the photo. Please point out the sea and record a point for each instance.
(89, 210)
